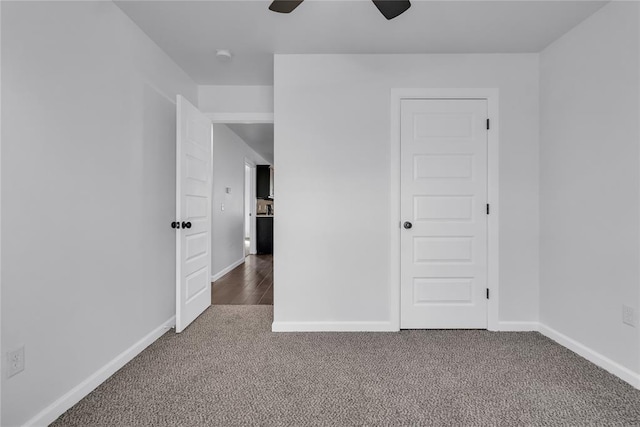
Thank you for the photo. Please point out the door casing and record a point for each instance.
(252, 204)
(491, 95)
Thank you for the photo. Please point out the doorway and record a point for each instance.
(446, 196)
(246, 281)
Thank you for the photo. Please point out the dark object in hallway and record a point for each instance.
(250, 283)
(264, 235)
(263, 182)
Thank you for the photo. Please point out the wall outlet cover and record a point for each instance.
(15, 362)
(628, 315)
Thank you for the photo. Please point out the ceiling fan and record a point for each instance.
(389, 8)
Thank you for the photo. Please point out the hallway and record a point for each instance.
(250, 283)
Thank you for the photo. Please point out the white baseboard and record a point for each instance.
(333, 327)
(592, 356)
(57, 408)
(518, 326)
(227, 269)
(377, 327)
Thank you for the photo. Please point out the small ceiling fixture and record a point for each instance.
(223, 54)
(389, 8)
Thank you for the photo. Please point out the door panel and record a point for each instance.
(193, 206)
(444, 196)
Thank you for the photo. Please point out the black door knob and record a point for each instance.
(175, 224)
(407, 225)
(186, 224)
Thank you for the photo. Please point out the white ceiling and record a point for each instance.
(191, 31)
(258, 136)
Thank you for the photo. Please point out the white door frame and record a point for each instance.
(492, 96)
(252, 207)
(246, 118)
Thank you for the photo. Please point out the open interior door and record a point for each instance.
(193, 213)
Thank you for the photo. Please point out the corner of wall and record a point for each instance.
(73, 396)
(638, 302)
(578, 81)
(124, 123)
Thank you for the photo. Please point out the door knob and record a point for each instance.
(175, 224)
(407, 225)
(186, 224)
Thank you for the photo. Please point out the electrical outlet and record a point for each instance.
(15, 362)
(222, 206)
(628, 315)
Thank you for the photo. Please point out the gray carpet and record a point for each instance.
(228, 369)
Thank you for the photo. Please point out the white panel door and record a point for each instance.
(443, 210)
(193, 213)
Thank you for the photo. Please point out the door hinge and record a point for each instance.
(488, 209)
(488, 125)
(487, 293)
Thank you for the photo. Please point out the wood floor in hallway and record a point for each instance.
(248, 284)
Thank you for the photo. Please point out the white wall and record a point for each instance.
(88, 189)
(235, 99)
(332, 145)
(589, 182)
(229, 153)
(1, 347)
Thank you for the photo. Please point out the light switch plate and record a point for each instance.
(628, 315)
(15, 362)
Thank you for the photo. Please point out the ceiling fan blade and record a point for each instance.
(284, 6)
(392, 8)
